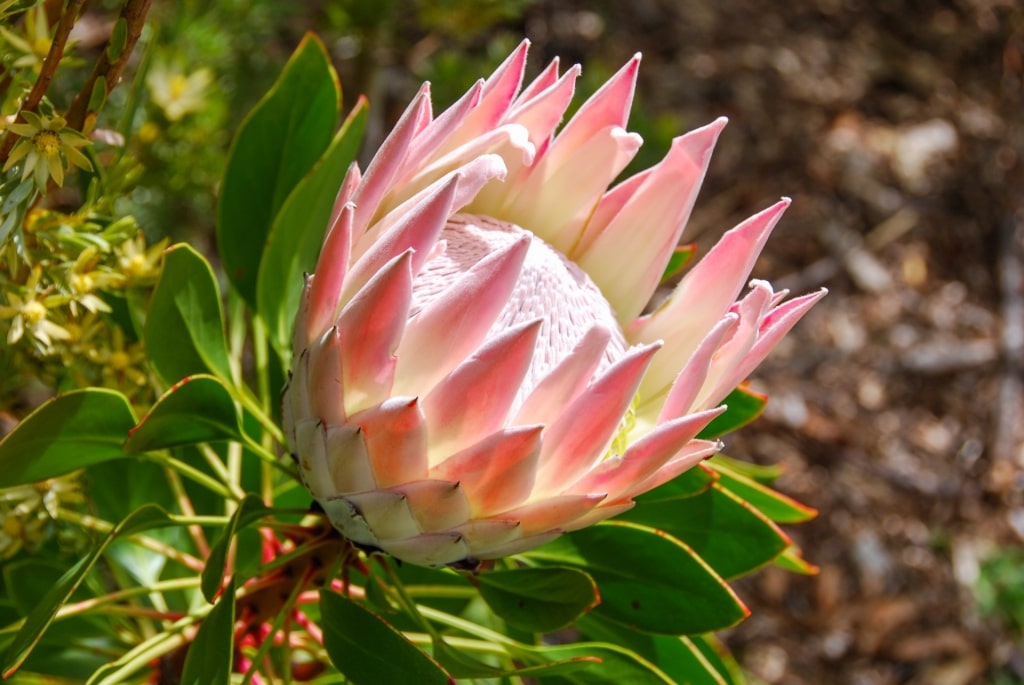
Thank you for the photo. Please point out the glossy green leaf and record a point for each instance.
(680, 659)
(772, 504)
(646, 578)
(184, 330)
(249, 510)
(36, 623)
(368, 651)
(744, 404)
(540, 600)
(691, 483)
(681, 256)
(729, 534)
(210, 656)
(792, 559)
(602, 664)
(765, 474)
(196, 410)
(276, 145)
(293, 244)
(717, 654)
(69, 432)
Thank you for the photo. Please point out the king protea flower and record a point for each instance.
(474, 373)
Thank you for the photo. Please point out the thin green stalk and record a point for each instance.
(441, 591)
(104, 527)
(149, 650)
(185, 505)
(193, 474)
(223, 472)
(261, 358)
(88, 605)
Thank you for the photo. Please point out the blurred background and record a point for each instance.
(897, 128)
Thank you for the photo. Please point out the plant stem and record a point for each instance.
(185, 504)
(134, 14)
(192, 473)
(53, 57)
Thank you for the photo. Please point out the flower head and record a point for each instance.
(177, 94)
(474, 374)
(45, 143)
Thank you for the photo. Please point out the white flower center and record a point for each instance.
(550, 287)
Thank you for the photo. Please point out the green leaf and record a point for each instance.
(36, 623)
(249, 510)
(184, 330)
(293, 244)
(678, 657)
(729, 534)
(196, 410)
(602, 664)
(772, 504)
(69, 432)
(681, 256)
(209, 659)
(646, 578)
(368, 651)
(765, 474)
(792, 559)
(744, 406)
(717, 654)
(691, 483)
(276, 145)
(539, 600)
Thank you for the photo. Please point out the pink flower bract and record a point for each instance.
(474, 374)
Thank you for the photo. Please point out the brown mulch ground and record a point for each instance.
(896, 406)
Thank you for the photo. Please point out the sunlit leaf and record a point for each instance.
(69, 432)
(195, 410)
(184, 330)
(729, 534)
(772, 504)
(539, 600)
(293, 243)
(368, 651)
(681, 256)
(744, 404)
(646, 578)
(276, 145)
(210, 656)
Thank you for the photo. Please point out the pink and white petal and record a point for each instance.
(438, 131)
(417, 228)
(703, 297)
(575, 441)
(395, 435)
(387, 513)
(545, 79)
(474, 400)
(469, 178)
(691, 455)
(649, 226)
(688, 384)
(498, 472)
(608, 107)
(325, 286)
(436, 549)
(324, 383)
(348, 520)
(482, 535)
(541, 113)
(567, 380)
(347, 460)
(601, 513)
(437, 504)
(454, 324)
(550, 513)
(518, 546)
(511, 142)
(561, 191)
(371, 327)
(311, 450)
(620, 475)
(722, 376)
(499, 92)
(389, 160)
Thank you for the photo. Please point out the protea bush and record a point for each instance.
(475, 367)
